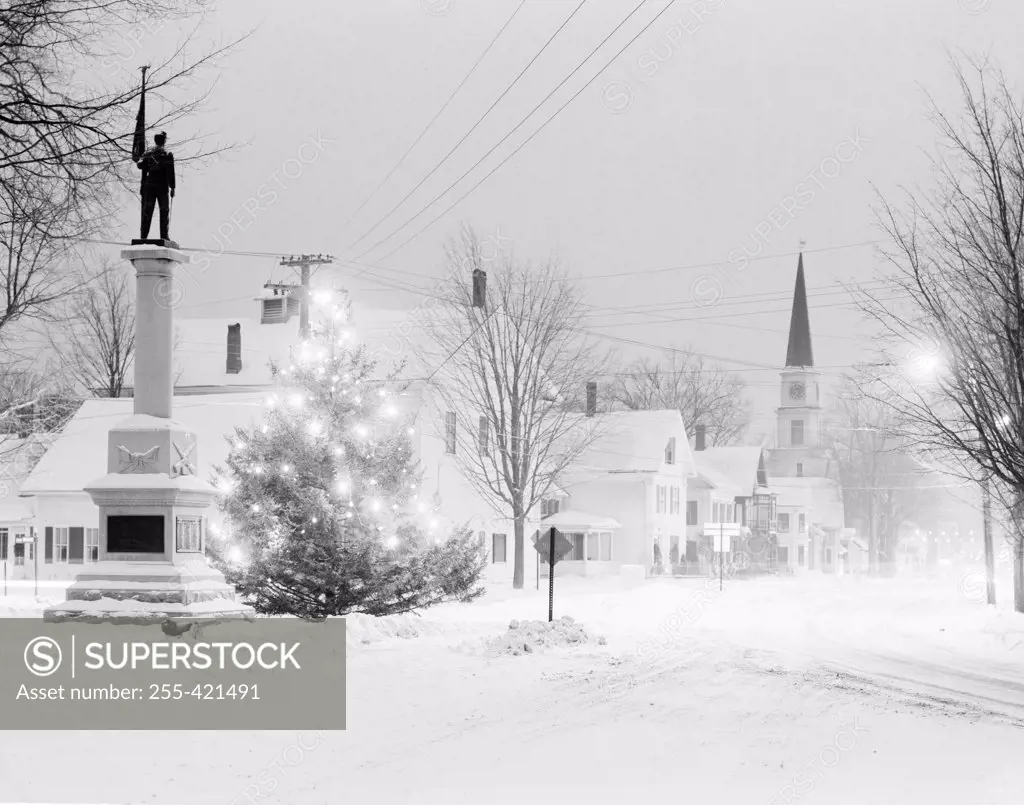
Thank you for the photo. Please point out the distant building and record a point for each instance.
(798, 464)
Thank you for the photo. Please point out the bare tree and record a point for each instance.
(509, 372)
(66, 134)
(884, 485)
(97, 343)
(956, 253)
(703, 393)
(56, 125)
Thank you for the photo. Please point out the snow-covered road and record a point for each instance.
(773, 693)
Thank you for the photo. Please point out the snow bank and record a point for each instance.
(525, 637)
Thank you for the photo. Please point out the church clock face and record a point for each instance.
(797, 391)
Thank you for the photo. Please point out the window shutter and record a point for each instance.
(76, 545)
(48, 546)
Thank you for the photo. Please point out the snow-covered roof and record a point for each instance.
(577, 519)
(737, 464)
(79, 456)
(634, 441)
(202, 350)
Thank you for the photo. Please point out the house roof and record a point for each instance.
(825, 498)
(79, 455)
(202, 350)
(738, 465)
(634, 441)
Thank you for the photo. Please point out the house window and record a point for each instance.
(92, 545)
(796, 433)
(691, 512)
(60, 545)
(660, 503)
(670, 451)
(579, 543)
(606, 546)
(234, 349)
(675, 500)
(599, 546)
(800, 555)
(549, 506)
(189, 535)
(732, 513)
(799, 470)
(498, 549)
(783, 554)
(449, 433)
(803, 523)
(783, 521)
(485, 441)
(4, 539)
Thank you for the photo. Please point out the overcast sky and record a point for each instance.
(729, 127)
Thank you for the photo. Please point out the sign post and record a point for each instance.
(556, 548)
(722, 534)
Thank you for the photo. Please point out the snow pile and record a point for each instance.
(364, 630)
(525, 637)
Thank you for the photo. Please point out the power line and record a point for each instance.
(519, 125)
(433, 120)
(473, 128)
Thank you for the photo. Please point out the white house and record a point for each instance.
(625, 494)
(733, 488)
(17, 456)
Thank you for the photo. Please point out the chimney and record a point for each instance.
(234, 349)
(698, 437)
(591, 398)
(479, 287)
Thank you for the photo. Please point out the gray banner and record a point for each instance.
(267, 674)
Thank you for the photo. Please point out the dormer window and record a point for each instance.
(549, 506)
(670, 451)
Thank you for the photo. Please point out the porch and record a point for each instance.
(594, 550)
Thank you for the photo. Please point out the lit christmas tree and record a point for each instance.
(323, 497)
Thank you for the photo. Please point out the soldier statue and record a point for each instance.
(157, 166)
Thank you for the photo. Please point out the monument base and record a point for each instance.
(167, 244)
(148, 591)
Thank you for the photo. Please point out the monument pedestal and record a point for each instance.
(153, 506)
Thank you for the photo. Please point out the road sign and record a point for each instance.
(24, 539)
(542, 544)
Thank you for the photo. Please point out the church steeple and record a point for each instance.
(799, 352)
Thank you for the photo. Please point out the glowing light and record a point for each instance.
(343, 487)
(255, 507)
(226, 485)
(411, 431)
(315, 428)
(339, 450)
(235, 554)
(295, 400)
(389, 410)
(285, 468)
(361, 431)
(322, 297)
(258, 469)
(382, 392)
(433, 523)
(239, 445)
(314, 520)
(422, 507)
(375, 505)
(392, 542)
(271, 402)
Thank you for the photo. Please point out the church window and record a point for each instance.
(799, 470)
(797, 433)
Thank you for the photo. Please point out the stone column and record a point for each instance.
(154, 327)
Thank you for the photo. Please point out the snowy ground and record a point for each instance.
(777, 690)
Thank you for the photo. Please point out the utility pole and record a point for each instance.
(990, 556)
(304, 262)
